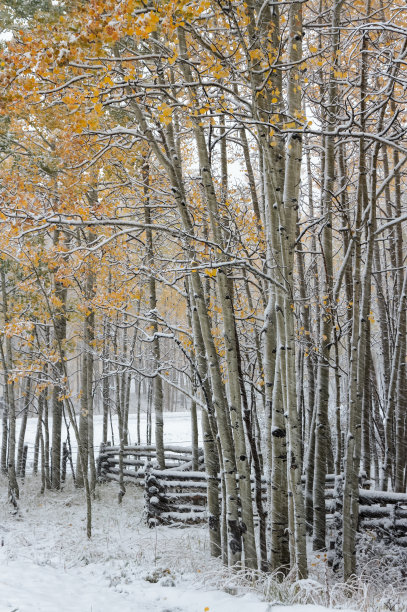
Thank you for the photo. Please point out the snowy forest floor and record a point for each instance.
(48, 565)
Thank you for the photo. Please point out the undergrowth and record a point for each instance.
(52, 526)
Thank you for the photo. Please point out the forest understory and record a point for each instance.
(48, 564)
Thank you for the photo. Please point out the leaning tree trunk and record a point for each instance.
(158, 383)
(225, 300)
(174, 170)
(209, 432)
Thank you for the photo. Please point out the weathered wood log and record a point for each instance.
(369, 498)
(179, 495)
(189, 518)
(156, 502)
(129, 473)
(395, 529)
(129, 480)
(151, 450)
(367, 512)
(115, 460)
(194, 497)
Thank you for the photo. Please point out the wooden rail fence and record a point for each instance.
(178, 495)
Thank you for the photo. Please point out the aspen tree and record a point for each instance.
(322, 399)
(352, 454)
(23, 424)
(7, 359)
(209, 433)
(225, 299)
(59, 329)
(157, 382)
(290, 205)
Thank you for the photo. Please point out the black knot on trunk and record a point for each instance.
(213, 522)
(278, 432)
(235, 542)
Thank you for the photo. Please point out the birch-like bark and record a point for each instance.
(305, 332)
(228, 467)
(23, 425)
(138, 411)
(209, 431)
(86, 456)
(106, 379)
(338, 425)
(194, 433)
(59, 327)
(366, 410)
(235, 406)
(158, 385)
(289, 217)
(83, 450)
(90, 340)
(361, 305)
(38, 433)
(4, 433)
(280, 558)
(322, 401)
(7, 359)
(400, 445)
(47, 453)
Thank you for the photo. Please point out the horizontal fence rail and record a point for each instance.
(177, 495)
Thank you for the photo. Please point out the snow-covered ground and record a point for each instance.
(48, 565)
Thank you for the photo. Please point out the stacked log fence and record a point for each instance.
(178, 495)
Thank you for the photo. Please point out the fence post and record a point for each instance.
(65, 455)
(100, 463)
(335, 544)
(156, 501)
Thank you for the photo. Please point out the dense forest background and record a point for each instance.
(203, 202)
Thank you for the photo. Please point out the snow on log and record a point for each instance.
(178, 495)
